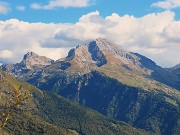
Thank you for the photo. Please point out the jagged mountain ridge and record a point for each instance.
(100, 54)
(105, 56)
(31, 61)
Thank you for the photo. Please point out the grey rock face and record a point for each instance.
(30, 62)
(101, 52)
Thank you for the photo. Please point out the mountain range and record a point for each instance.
(119, 84)
(100, 54)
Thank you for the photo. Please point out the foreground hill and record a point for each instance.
(47, 113)
(119, 84)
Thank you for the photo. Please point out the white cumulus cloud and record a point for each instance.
(6, 54)
(62, 3)
(20, 37)
(4, 8)
(155, 35)
(21, 8)
(167, 4)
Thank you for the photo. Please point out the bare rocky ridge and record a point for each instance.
(30, 62)
(100, 52)
(101, 55)
(84, 58)
(33, 60)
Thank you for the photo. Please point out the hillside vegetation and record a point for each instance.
(46, 113)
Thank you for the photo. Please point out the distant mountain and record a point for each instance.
(119, 84)
(46, 113)
(159, 74)
(30, 62)
(99, 53)
(177, 67)
(175, 70)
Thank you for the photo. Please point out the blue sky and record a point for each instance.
(62, 14)
(53, 27)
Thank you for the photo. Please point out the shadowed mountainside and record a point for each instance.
(47, 113)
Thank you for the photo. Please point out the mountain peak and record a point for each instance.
(110, 48)
(103, 43)
(103, 40)
(32, 59)
(101, 52)
(31, 53)
(28, 55)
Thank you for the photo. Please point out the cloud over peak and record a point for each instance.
(154, 35)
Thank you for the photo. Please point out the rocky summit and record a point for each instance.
(31, 61)
(101, 52)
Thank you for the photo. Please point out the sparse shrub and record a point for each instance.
(12, 102)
